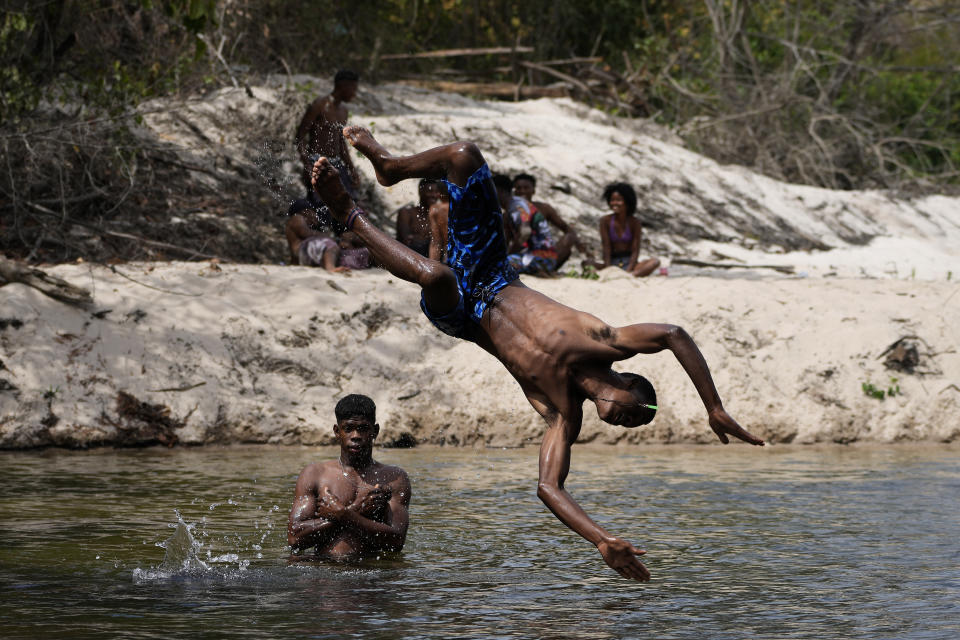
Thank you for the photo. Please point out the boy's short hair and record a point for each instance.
(345, 75)
(525, 176)
(503, 182)
(644, 389)
(354, 405)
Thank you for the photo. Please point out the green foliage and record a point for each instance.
(98, 56)
(872, 391)
(196, 15)
(588, 273)
(830, 92)
(20, 93)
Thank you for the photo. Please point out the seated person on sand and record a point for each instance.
(620, 232)
(319, 132)
(530, 245)
(309, 247)
(352, 507)
(560, 357)
(413, 222)
(525, 186)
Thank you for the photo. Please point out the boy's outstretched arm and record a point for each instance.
(620, 555)
(652, 338)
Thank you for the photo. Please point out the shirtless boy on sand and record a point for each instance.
(560, 356)
(351, 507)
(319, 131)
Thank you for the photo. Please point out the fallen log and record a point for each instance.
(450, 53)
(56, 288)
(493, 89)
(782, 268)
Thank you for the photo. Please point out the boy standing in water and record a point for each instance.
(560, 356)
(354, 506)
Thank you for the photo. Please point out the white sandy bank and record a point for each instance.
(261, 354)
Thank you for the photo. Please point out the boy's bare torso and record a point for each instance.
(542, 343)
(324, 134)
(344, 484)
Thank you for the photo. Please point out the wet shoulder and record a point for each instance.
(318, 469)
(317, 108)
(392, 474)
(593, 328)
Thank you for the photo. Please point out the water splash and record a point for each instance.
(181, 555)
(276, 168)
(186, 556)
(182, 550)
(280, 174)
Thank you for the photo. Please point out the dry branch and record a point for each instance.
(722, 265)
(556, 74)
(493, 89)
(450, 53)
(56, 288)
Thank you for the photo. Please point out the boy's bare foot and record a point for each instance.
(364, 142)
(326, 183)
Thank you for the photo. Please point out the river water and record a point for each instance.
(781, 542)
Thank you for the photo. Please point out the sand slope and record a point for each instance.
(196, 353)
(690, 205)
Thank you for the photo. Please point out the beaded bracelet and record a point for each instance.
(352, 217)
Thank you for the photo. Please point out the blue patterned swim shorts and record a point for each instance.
(476, 251)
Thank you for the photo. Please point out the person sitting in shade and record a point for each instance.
(620, 232)
(414, 221)
(311, 247)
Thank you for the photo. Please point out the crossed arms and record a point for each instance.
(318, 515)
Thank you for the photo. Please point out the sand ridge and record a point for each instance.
(197, 352)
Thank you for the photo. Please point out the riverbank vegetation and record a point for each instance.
(839, 94)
